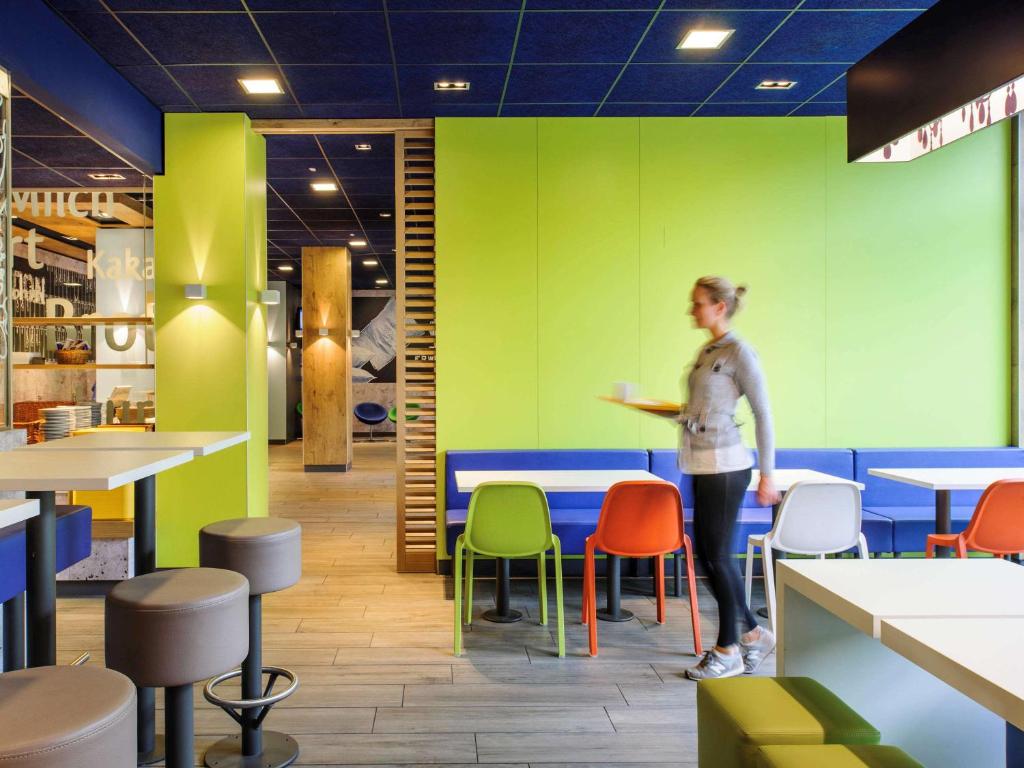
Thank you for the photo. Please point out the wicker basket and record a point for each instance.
(73, 356)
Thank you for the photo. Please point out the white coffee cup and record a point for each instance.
(624, 390)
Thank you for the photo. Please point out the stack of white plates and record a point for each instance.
(57, 422)
(95, 413)
(83, 416)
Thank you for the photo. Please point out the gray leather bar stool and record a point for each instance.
(57, 717)
(268, 552)
(171, 629)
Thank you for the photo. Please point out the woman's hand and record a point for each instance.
(766, 493)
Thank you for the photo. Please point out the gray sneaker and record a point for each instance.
(756, 652)
(715, 664)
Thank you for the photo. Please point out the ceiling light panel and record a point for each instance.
(704, 39)
(258, 86)
(106, 176)
(450, 85)
(363, 147)
(775, 85)
(324, 186)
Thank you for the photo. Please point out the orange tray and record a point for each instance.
(647, 405)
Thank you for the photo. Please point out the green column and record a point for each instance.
(211, 367)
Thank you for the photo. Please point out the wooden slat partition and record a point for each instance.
(417, 440)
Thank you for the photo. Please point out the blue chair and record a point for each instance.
(12, 595)
(371, 414)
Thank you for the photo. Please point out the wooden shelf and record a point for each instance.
(84, 367)
(82, 321)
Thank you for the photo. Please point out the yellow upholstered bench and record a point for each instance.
(737, 715)
(834, 756)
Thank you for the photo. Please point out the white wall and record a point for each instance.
(277, 368)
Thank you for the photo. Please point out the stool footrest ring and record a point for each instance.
(264, 703)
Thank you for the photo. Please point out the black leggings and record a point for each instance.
(716, 505)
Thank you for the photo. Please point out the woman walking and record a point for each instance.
(710, 449)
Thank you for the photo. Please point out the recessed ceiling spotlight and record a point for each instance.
(381, 281)
(704, 39)
(775, 85)
(357, 243)
(385, 214)
(72, 285)
(103, 215)
(364, 147)
(285, 268)
(257, 86)
(448, 85)
(324, 186)
(369, 262)
(70, 237)
(311, 169)
(106, 176)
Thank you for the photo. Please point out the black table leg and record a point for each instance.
(503, 614)
(942, 519)
(145, 525)
(151, 747)
(1014, 747)
(763, 612)
(41, 581)
(14, 633)
(614, 610)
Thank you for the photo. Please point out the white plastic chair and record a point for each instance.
(814, 519)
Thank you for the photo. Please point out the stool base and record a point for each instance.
(279, 750)
(156, 754)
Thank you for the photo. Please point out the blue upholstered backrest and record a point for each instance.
(832, 461)
(12, 561)
(887, 493)
(665, 464)
(531, 459)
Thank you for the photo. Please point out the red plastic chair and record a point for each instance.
(996, 527)
(639, 519)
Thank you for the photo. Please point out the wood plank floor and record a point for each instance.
(373, 651)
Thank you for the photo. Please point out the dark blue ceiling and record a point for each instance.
(297, 216)
(380, 58)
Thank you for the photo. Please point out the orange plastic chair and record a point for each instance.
(639, 518)
(996, 527)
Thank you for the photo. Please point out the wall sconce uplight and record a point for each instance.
(270, 297)
(195, 291)
(323, 332)
(292, 345)
(298, 334)
(356, 333)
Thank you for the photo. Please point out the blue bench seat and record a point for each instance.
(755, 519)
(573, 515)
(912, 509)
(74, 534)
(12, 561)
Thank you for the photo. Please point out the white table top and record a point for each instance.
(82, 470)
(950, 478)
(600, 480)
(865, 592)
(553, 480)
(980, 657)
(14, 511)
(784, 479)
(200, 443)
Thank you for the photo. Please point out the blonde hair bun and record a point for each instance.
(722, 289)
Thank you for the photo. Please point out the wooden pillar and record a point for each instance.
(326, 359)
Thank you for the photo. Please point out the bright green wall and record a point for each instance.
(566, 248)
(210, 228)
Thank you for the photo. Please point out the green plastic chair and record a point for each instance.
(509, 520)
